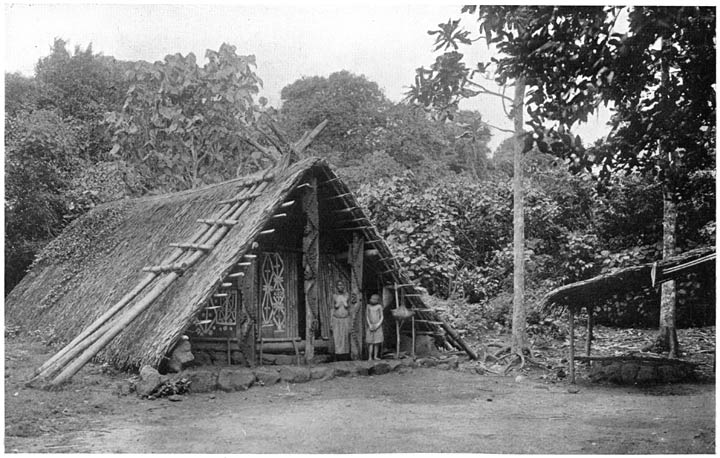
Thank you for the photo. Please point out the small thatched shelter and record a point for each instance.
(594, 290)
(245, 265)
(587, 293)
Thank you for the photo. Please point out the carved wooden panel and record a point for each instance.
(272, 289)
(278, 294)
(218, 317)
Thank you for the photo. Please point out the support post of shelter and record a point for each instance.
(311, 263)
(571, 358)
(588, 340)
(355, 259)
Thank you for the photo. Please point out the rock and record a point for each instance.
(321, 359)
(202, 380)
(266, 377)
(573, 390)
(360, 368)
(180, 355)
(285, 360)
(424, 345)
(323, 372)
(628, 373)
(235, 379)
(295, 374)
(613, 372)
(427, 362)
(174, 398)
(520, 378)
(341, 369)
(203, 358)
(380, 367)
(669, 373)
(123, 388)
(150, 379)
(237, 358)
(454, 362)
(646, 374)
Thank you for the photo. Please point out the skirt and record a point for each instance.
(374, 337)
(341, 334)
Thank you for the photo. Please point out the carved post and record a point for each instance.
(311, 261)
(355, 259)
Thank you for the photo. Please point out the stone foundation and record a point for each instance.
(228, 378)
(641, 371)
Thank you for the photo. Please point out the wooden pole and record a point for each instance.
(122, 323)
(588, 340)
(571, 315)
(213, 235)
(311, 264)
(412, 318)
(397, 324)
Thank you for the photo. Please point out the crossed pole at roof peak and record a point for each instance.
(281, 151)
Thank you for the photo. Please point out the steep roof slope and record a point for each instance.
(100, 257)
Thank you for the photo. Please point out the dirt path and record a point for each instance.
(425, 410)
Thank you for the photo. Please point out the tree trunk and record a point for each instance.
(667, 338)
(519, 335)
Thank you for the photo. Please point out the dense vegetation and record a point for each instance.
(88, 129)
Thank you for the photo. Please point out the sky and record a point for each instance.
(386, 42)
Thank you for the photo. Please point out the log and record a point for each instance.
(192, 246)
(306, 139)
(240, 198)
(174, 267)
(220, 222)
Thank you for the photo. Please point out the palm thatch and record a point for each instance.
(100, 257)
(594, 290)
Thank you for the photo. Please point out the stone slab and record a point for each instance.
(235, 379)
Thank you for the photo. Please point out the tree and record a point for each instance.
(549, 53)
(664, 122)
(82, 86)
(40, 151)
(181, 119)
(20, 94)
(353, 106)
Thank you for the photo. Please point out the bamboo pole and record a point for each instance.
(72, 368)
(397, 324)
(572, 345)
(45, 369)
(212, 235)
(589, 338)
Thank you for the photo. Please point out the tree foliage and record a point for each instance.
(353, 106)
(184, 122)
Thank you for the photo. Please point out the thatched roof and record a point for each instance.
(100, 257)
(597, 289)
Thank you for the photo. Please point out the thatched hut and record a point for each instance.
(241, 267)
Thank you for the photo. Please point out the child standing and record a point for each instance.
(374, 336)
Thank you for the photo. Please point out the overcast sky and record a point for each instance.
(385, 42)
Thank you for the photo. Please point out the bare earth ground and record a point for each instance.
(423, 410)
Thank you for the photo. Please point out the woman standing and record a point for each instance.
(340, 322)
